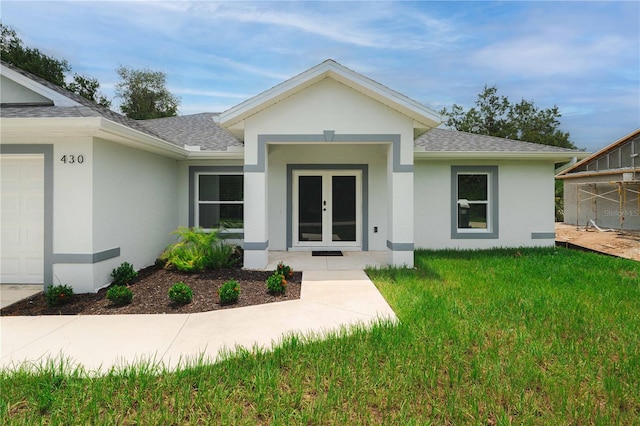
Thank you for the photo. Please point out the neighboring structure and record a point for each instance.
(605, 187)
(326, 160)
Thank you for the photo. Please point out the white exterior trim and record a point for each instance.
(58, 99)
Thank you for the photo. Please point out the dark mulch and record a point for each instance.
(150, 294)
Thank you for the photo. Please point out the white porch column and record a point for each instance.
(400, 243)
(256, 238)
(256, 241)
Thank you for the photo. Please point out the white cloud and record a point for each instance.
(208, 93)
(548, 54)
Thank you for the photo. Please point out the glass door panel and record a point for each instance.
(310, 206)
(343, 200)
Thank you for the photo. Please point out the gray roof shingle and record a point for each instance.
(88, 108)
(446, 140)
(197, 129)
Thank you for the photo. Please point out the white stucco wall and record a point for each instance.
(526, 205)
(134, 205)
(329, 105)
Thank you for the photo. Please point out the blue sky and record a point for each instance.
(583, 57)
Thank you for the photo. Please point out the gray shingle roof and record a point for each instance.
(445, 140)
(197, 129)
(88, 108)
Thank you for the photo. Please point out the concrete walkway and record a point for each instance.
(329, 300)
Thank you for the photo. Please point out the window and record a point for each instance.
(219, 201)
(474, 202)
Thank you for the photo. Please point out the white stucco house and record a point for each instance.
(328, 159)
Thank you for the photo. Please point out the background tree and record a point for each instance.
(31, 60)
(145, 95)
(88, 88)
(495, 115)
(13, 51)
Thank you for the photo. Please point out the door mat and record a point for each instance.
(326, 253)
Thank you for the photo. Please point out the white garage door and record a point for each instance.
(21, 218)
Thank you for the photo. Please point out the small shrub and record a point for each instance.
(276, 283)
(285, 270)
(123, 274)
(57, 295)
(194, 251)
(120, 295)
(229, 292)
(180, 293)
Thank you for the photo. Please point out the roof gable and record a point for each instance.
(621, 154)
(423, 116)
(35, 87)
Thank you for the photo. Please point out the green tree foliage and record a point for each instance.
(53, 70)
(31, 60)
(495, 115)
(144, 94)
(88, 88)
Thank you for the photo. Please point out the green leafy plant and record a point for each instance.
(276, 283)
(285, 270)
(229, 292)
(180, 293)
(197, 250)
(222, 255)
(57, 295)
(120, 295)
(124, 274)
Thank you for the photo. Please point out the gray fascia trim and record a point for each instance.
(543, 235)
(495, 205)
(256, 246)
(328, 137)
(86, 258)
(364, 168)
(47, 151)
(193, 170)
(400, 246)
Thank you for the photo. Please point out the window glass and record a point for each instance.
(473, 206)
(221, 188)
(472, 187)
(220, 201)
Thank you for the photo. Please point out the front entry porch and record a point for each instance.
(350, 260)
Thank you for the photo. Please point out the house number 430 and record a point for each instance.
(72, 159)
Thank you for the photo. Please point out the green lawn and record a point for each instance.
(510, 336)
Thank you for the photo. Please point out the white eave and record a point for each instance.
(100, 127)
(423, 116)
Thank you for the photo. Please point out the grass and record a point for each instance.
(523, 336)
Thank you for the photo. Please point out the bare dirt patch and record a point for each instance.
(623, 244)
(150, 294)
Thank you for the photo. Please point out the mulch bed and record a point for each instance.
(150, 294)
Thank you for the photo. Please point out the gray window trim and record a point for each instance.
(193, 172)
(493, 231)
